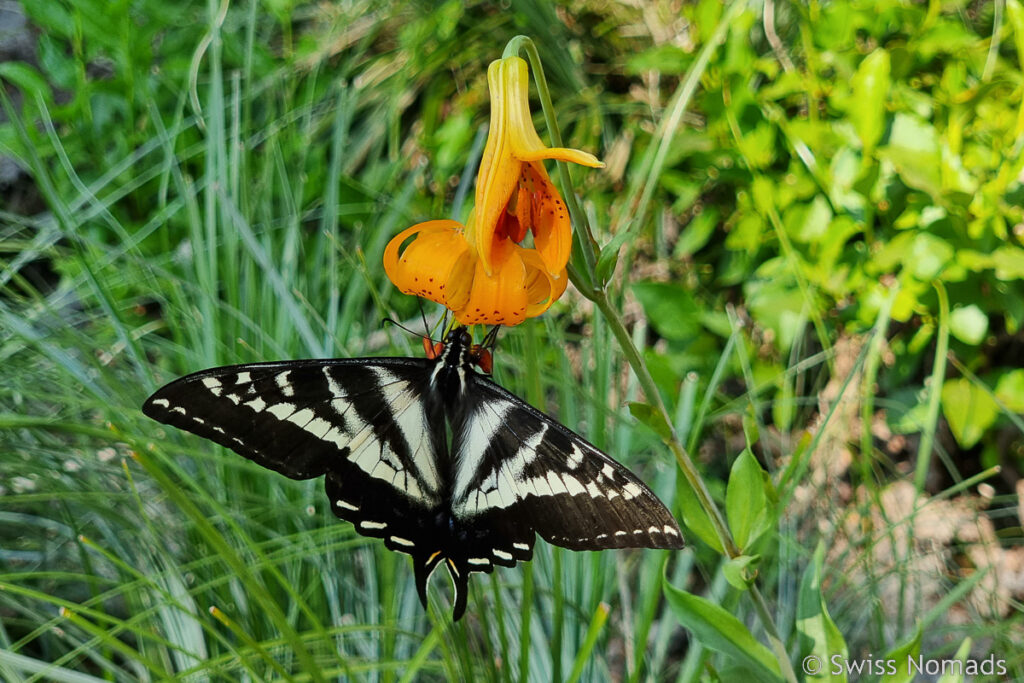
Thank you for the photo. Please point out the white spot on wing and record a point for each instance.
(402, 541)
(367, 524)
(608, 471)
(521, 546)
(162, 402)
(556, 484)
(630, 490)
(501, 554)
(479, 561)
(284, 385)
(575, 456)
(178, 409)
(243, 378)
(302, 418)
(257, 404)
(211, 382)
(572, 485)
(345, 505)
(281, 410)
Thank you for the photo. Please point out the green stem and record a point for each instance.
(924, 450)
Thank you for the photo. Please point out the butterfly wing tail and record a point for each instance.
(423, 567)
(460, 583)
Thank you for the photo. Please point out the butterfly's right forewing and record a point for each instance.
(362, 422)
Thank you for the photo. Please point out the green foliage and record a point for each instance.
(818, 635)
(717, 629)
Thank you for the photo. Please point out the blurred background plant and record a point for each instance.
(812, 224)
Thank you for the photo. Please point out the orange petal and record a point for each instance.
(543, 288)
(549, 219)
(500, 299)
(438, 255)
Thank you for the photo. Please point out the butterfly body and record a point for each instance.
(427, 454)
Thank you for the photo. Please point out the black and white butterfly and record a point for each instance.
(427, 454)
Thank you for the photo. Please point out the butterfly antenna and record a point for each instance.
(423, 317)
(490, 340)
(400, 326)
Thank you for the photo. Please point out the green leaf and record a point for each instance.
(758, 145)
(928, 256)
(1016, 14)
(695, 518)
(969, 324)
(745, 499)
(915, 152)
(664, 59)
(741, 571)
(819, 636)
(870, 91)
(901, 655)
(52, 16)
(645, 413)
(776, 303)
(696, 233)
(809, 223)
(718, 630)
(671, 308)
(27, 79)
(1009, 263)
(968, 409)
(609, 255)
(1010, 390)
(962, 653)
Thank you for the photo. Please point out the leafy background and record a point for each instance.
(815, 228)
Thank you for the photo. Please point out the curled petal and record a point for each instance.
(542, 288)
(511, 76)
(434, 265)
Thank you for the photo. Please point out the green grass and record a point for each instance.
(209, 189)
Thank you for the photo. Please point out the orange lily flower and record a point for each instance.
(482, 271)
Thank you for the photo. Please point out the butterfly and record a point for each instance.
(425, 453)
